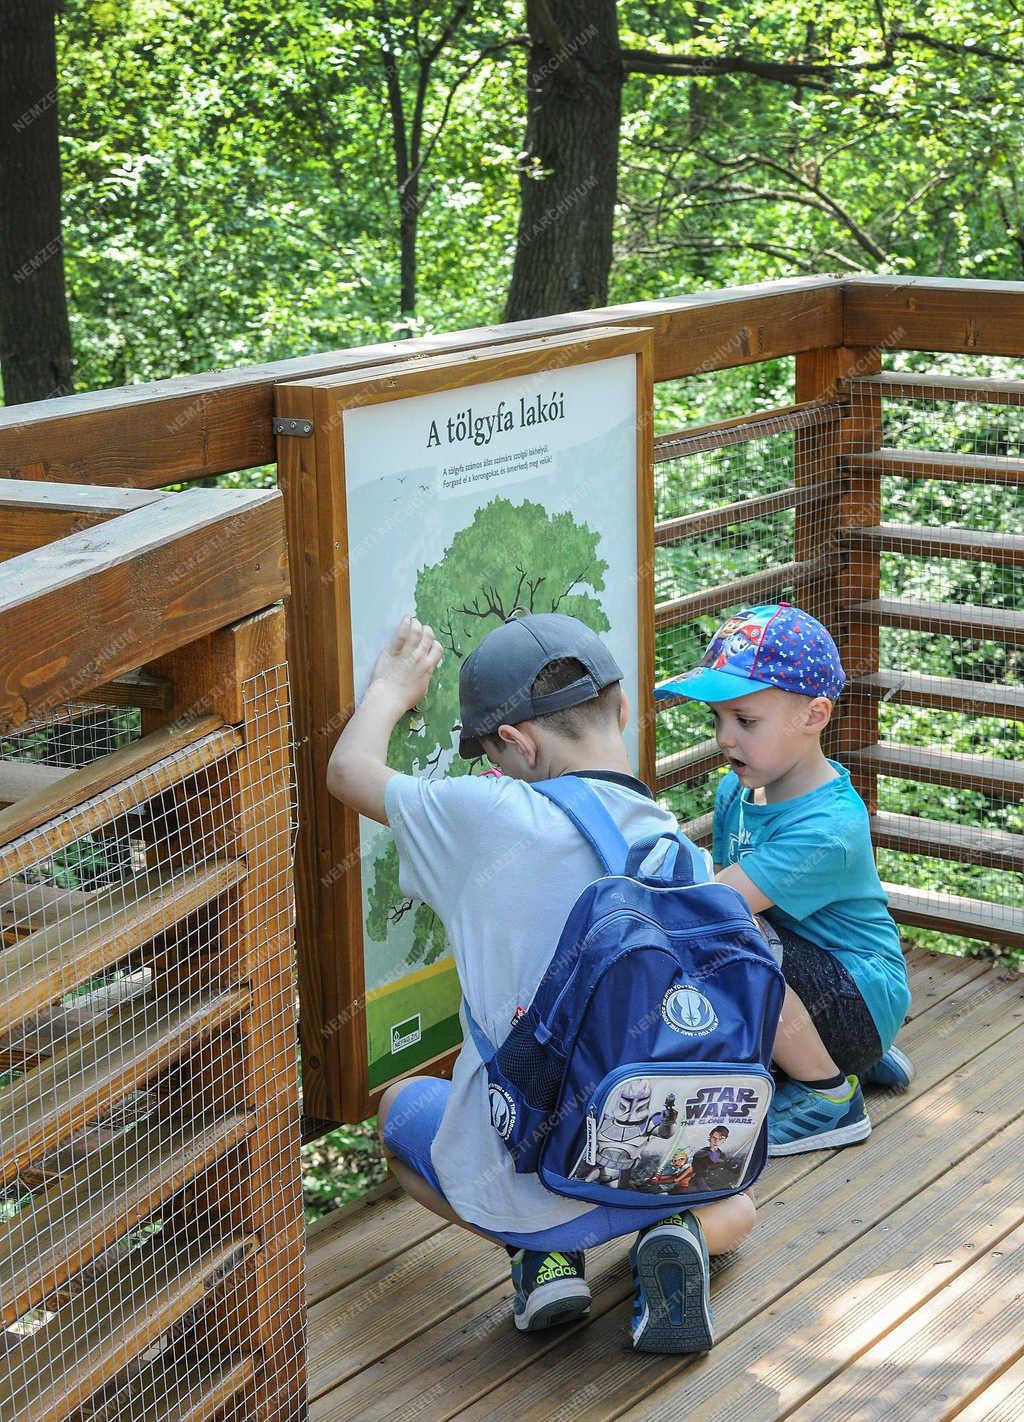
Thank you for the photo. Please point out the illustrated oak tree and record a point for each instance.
(510, 557)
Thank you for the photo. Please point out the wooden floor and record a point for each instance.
(883, 1281)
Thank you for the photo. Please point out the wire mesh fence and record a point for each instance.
(148, 1085)
(900, 526)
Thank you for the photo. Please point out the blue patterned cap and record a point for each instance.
(771, 645)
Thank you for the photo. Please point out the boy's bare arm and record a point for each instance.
(358, 770)
(735, 877)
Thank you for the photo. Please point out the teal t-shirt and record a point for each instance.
(812, 857)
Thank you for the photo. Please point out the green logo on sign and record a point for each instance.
(406, 1034)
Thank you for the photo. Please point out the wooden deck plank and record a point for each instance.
(1001, 1401)
(799, 1231)
(941, 1038)
(778, 1361)
(953, 1346)
(346, 1244)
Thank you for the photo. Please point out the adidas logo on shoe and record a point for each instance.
(555, 1266)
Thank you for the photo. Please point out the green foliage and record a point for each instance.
(341, 1166)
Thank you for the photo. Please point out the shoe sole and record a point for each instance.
(553, 1303)
(825, 1140)
(892, 1083)
(671, 1270)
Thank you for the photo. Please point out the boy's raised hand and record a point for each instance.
(404, 667)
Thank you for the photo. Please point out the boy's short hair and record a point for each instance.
(574, 722)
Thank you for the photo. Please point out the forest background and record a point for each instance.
(187, 185)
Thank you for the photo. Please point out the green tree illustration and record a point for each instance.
(510, 556)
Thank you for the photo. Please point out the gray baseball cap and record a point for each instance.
(495, 679)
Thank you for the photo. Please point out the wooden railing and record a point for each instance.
(837, 330)
(151, 1223)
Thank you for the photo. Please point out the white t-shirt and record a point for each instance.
(501, 866)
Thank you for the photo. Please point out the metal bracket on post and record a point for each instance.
(285, 425)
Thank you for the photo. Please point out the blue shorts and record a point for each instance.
(409, 1131)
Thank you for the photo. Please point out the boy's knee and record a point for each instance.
(387, 1100)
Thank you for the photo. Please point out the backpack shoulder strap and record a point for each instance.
(583, 806)
(484, 1045)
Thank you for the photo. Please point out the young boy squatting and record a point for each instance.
(540, 696)
(792, 835)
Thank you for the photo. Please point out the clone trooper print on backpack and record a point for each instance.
(624, 1132)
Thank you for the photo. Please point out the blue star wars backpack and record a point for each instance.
(639, 1072)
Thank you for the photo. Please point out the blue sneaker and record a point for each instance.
(895, 1071)
(671, 1279)
(807, 1120)
(550, 1288)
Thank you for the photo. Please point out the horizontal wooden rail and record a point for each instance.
(39, 969)
(933, 314)
(912, 540)
(132, 589)
(960, 771)
(121, 790)
(192, 426)
(688, 764)
(134, 688)
(951, 913)
(966, 844)
(950, 619)
(903, 384)
(929, 464)
(944, 693)
(671, 530)
(110, 1323)
(176, 1391)
(19, 778)
(51, 1102)
(744, 590)
(81, 1215)
(33, 513)
(763, 424)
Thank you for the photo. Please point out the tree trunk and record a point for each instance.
(570, 165)
(35, 341)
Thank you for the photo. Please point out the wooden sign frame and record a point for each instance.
(313, 479)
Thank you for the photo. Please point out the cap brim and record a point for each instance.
(470, 748)
(705, 684)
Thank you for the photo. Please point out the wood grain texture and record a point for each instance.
(934, 314)
(904, 384)
(743, 591)
(81, 611)
(127, 776)
(82, 1213)
(51, 1102)
(929, 464)
(967, 844)
(39, 969)
(192, 426)
(459, 1357)
(59, 1368)
(973, 698)
(953, 913)
(917, 541)
(953, 619)
(991, 774)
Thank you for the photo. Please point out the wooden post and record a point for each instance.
(852, 575)
(239, 672)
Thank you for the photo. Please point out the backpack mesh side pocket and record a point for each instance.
(534, 1070)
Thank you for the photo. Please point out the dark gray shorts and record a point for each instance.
(831, 997)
